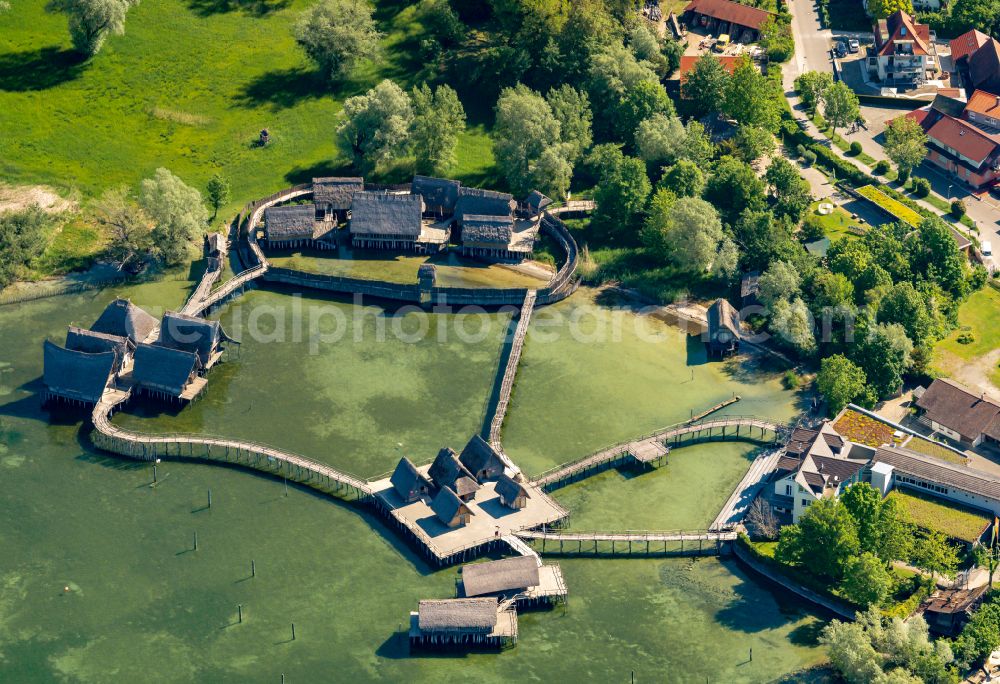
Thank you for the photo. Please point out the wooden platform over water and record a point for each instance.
(630, 543)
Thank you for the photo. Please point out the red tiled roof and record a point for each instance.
(962, 137)
(900, 26)
(984, 63)
(733, 12)
(985, 103)
(729, 63)
(967, 43)
(918, 115)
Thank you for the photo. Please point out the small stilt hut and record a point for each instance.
(511, 492)
(409, 482)
(166, 373)
(450, 509)
(481, 460)
(724, 330)
(76, 377)
(469, 623)
(448, 471)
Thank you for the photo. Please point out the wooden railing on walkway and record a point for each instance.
(149, 447)
(510, 372)
(630, 542)
(742, 428)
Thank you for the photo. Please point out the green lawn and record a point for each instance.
(932, 513)
(835, 225)
(189, 87)
(979, 316)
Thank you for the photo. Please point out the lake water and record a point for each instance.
(142, 605)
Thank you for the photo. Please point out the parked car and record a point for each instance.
(840, 49)
(854, 46)
(987, 248)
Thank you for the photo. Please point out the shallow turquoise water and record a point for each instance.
(142, 605)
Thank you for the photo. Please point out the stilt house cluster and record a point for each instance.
(425, 218)
(128, 348)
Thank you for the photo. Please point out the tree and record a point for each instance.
(880, 9)
(776, 38)
(792, 322)
(683, 179)
(981, 635)
(752, 143)
(933, 553)
(623, 92)
(706, 85)
(571, 108)
(92, 21)
(840, 381)
(832, 538)
(905, 305)
(376, 126)
(337, 34)
(177, 213)
(688, 232)
(867, 582)
(23, 236)
(883, 527)
(905, 143)
(218, 192)
(438, 119)
(441, 21)
(734, 187)
(761, 519)
(933, 253)
(883, 361)
(851, 652)
(978, 14)
(831, 293)
(789, 190)
(643, 100)
(779, 281)
(660, 139)
(749, 97)
(622, 190)
(810, 87)
(645, 45)
(840, 106)
(128, 226)
(525, 127)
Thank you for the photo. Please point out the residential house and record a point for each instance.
(905, 54)
(948, 610)
(984, 68)
(409, 482)
(742, 22)
(963, 138)
(958, 413)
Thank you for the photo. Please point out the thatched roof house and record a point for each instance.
(76, 375)
(81, 339)
(479, 202)
(481, 460)
(124, 319)
(536, 202)
(193, 334)
(409, 482)
(467, 615)
(511, 492)
(165, 370)
(439, 194)
(447, 469)
(450, 509)
(289, 224)
(487, 231)
(334, 194)
(381, 216)
(723, 328)
(508, 576)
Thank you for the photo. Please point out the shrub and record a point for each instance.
(957, 208)
(882, 167)
(812, 228)
(921, 187)
(791, 380)
(800, 150)
(809, 157)
(903, 175)
(855, 148)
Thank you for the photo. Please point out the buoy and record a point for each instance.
(65, 588)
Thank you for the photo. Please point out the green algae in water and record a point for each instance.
(144, 607)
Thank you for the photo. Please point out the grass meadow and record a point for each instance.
(189, 86)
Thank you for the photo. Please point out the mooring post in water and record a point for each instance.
(154, 473)
(293, 631)
(239, 607)
(286, 486)
(253, 568)
(282, 678)
(209, 498)
(195, 541)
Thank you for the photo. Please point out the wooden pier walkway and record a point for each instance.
(746, 491)
(507, 380)
(518, 546)
(630, 542)
(638, 450)
(147, 447)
